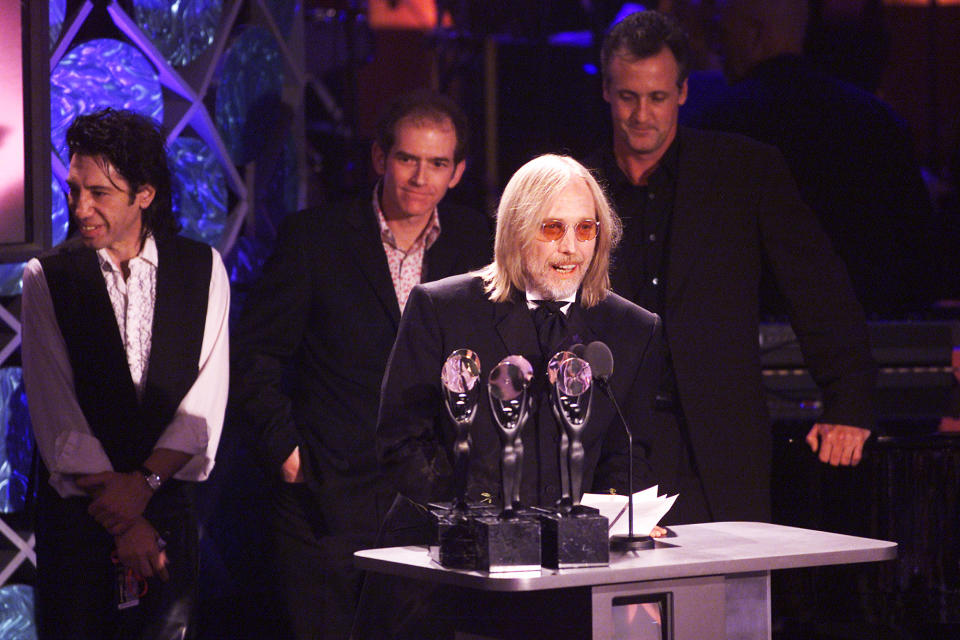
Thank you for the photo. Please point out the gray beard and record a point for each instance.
(548, 291)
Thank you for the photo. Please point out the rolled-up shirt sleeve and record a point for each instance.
(198, 421)
(64, 438)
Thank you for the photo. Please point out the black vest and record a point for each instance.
(128, 429)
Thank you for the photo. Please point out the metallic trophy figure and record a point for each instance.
(571, 403)
(461, 395)
(565, 502)
(508, 383)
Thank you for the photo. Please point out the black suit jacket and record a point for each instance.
(736, 206)
(415, 437)
(313, 341)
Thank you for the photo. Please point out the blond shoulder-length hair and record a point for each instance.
(530, 192)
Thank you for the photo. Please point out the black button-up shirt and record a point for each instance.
(640, 264)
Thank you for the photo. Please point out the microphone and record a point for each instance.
(600, 358)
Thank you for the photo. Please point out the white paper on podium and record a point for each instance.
(648, 509)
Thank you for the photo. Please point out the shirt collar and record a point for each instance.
(665, 168)
(429, 234)
(532, 300)
(148, 253)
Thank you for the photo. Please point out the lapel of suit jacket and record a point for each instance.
(692, 206)
(580, 324)
(514, 325)
(442, 256)
(371, 259)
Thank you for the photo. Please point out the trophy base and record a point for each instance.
(511, 544)
(455, 543)
(574, 541)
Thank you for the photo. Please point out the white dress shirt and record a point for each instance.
(64, 438)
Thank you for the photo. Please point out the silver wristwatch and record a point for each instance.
(152, 478)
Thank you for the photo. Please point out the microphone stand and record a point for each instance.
(631, 541)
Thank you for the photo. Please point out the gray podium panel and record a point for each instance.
(711, 580)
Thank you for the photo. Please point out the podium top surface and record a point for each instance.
(717, 548)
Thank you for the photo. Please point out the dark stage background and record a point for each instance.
(271, 106)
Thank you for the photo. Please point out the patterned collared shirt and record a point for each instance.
(133, 303)
(406, 267)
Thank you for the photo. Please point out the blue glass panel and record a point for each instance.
(57, 14)
(283, 12)
(16, 445)
(11, 275)
(16, 612)
(283, 189)
(11, 278)
(244, 264)
(97, 74)
(61, 215)
(246, 259)
(248, 97)
(180, 30)
(199, 190)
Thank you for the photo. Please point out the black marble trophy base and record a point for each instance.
(571, 541)
(455, 542)
(507, 544)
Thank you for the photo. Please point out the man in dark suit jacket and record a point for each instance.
(702, 213)
(314, 339)
(555, 232)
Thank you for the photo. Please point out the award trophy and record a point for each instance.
(509, 541)
(459, 377)
(576, 535)
(565, 503)
(461, 396)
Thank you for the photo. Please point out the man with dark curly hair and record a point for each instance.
(126, 363)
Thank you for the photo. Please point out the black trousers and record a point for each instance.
(77, 590)
(682, 478)
(314, 544)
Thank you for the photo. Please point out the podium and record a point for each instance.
(711, 580)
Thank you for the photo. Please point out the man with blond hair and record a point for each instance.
(555, 231)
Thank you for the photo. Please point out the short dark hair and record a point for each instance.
(644, 34)
(135, 147)
(423, 104)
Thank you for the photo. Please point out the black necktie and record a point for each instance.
(551, 325)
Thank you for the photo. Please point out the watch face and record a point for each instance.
(153, 480)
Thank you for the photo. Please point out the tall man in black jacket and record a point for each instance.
(313, 342)
(702, 212)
